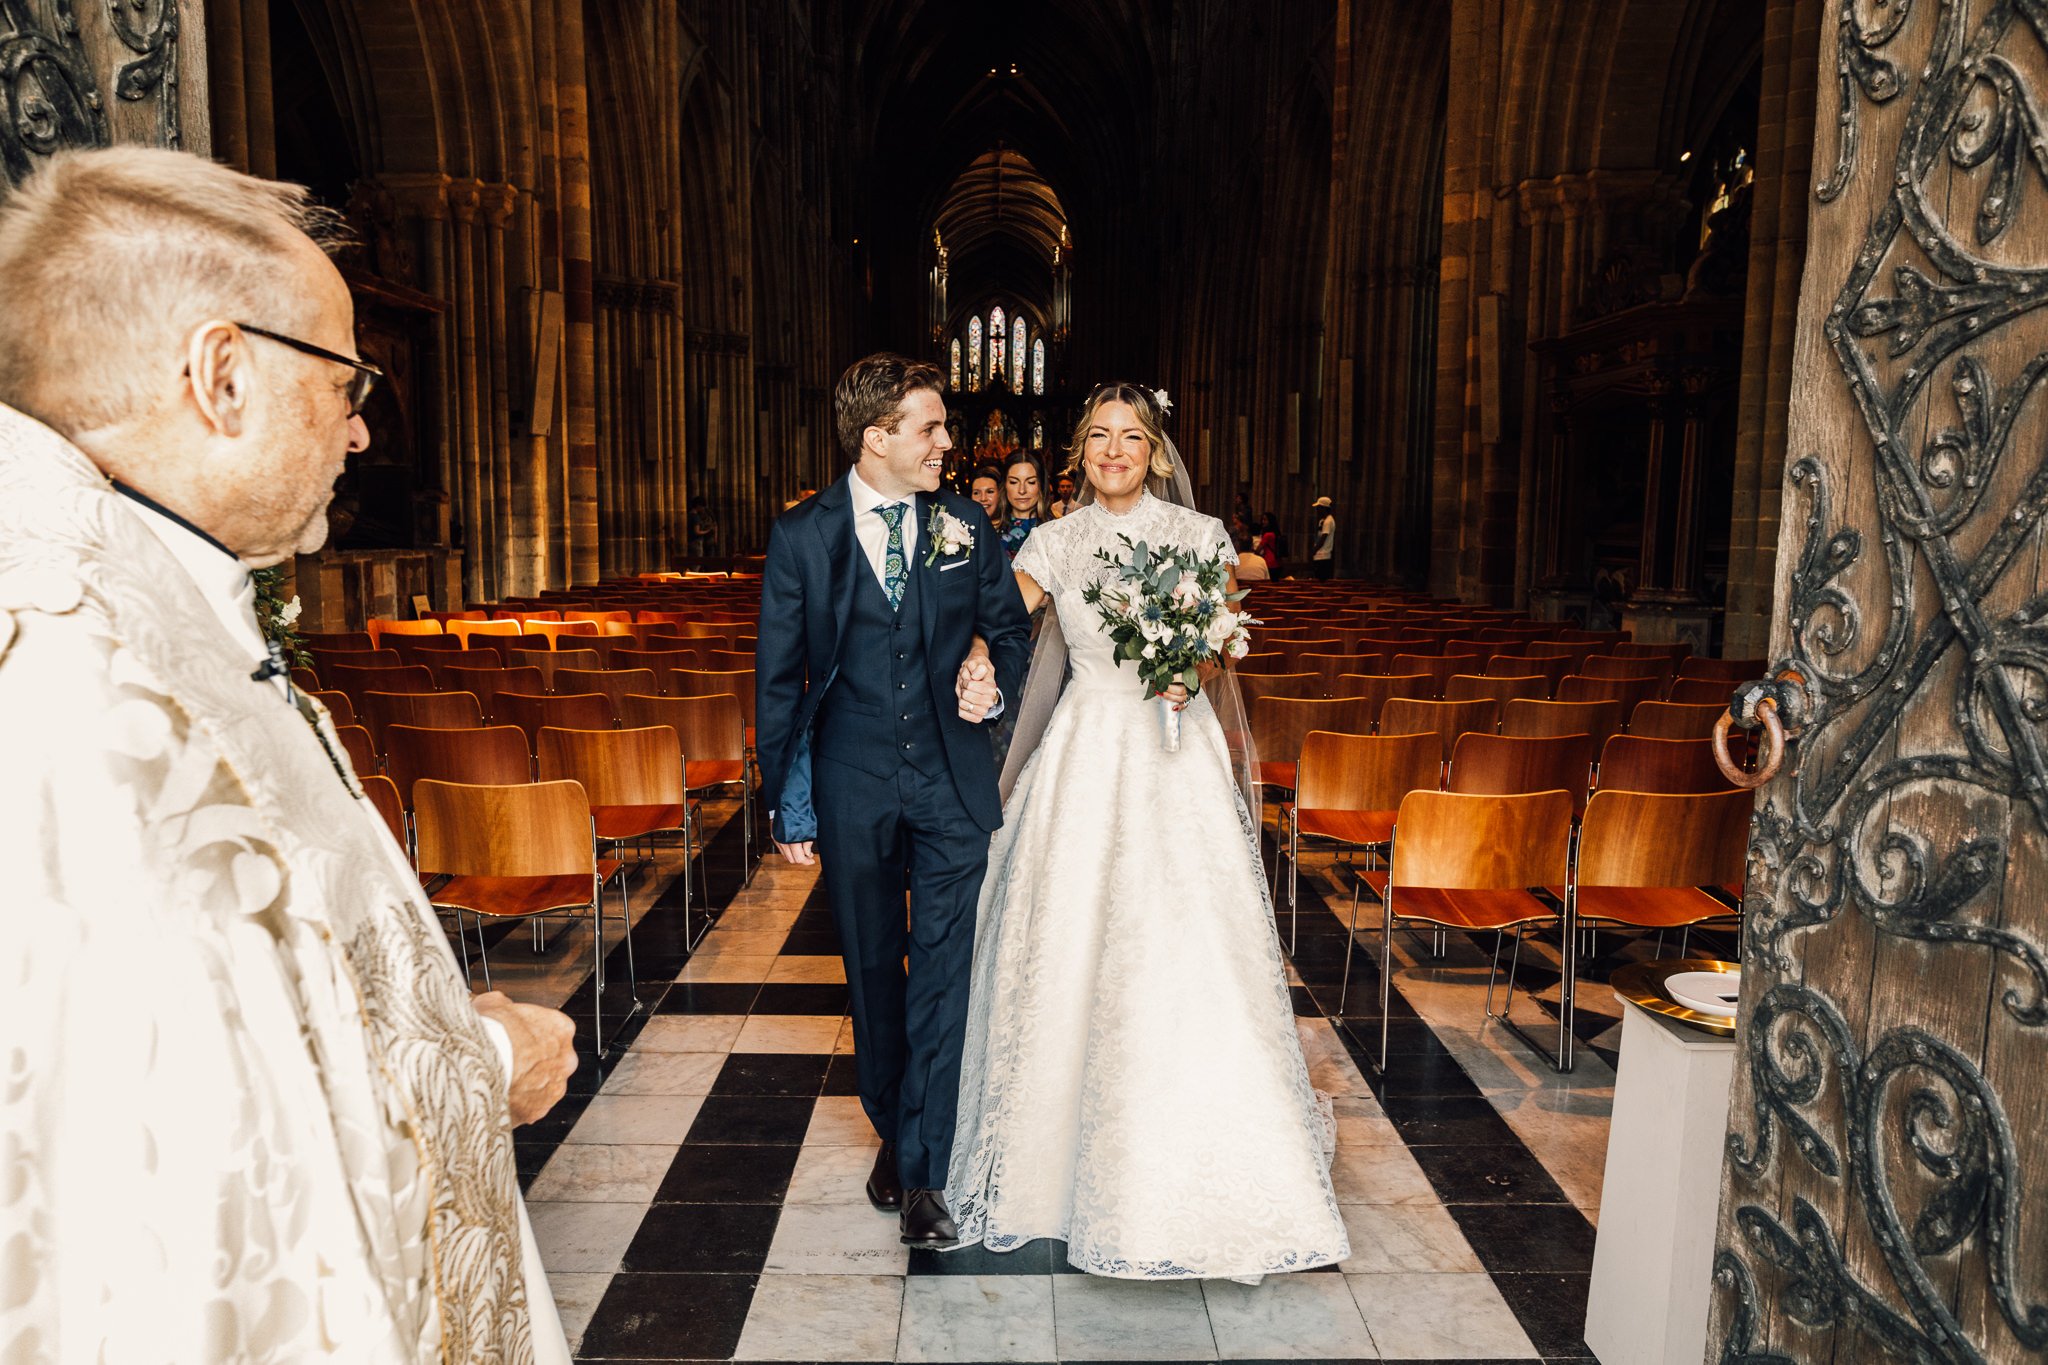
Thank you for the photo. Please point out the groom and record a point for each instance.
(867, 708)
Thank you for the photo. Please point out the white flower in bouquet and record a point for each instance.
(1222, 627)
(1187, 594)
(289, 612)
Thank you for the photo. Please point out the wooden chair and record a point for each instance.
(1468, 863)
(1674, 720)
(439, 661)
(603, 620)
(615, 684)
(384, 797)
(1266, 661)
(1645, 859)
(358, 682)
(380, 626)
(1378, 691)
(1629, 692)
(1703, 691)
(1346, 794)
(1332, 668)
(564, 711)
(468, 631)
(1467, 687)
(712, 734)
(1726, 672)
(549, 661)
(1280, 724)
(433, 710)
(1501, 765)
(1631, 763)
(1677, 651)
(517, 852)
(1615, 666)
(359, 748)
(729, 660)
(337, 703)
(634, 779)
(324, 659)
(523, 614)
(423, 649)
(1441, 668)
(1295, 649)
(662, 663)
(343, 641)
(1390, 645)
(1541, 719)
(486, 682)
(1446, 719)
(1551, 668)
(494, 756)
(709, 682)
(554, 631)
(305, 679)
(1255, 686)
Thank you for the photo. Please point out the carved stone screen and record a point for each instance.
(89, 73)
(1888, 1129)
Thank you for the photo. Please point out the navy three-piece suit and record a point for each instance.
(858, 697)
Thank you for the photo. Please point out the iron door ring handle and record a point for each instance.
(1774, 747)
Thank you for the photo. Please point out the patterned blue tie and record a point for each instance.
(895, 567)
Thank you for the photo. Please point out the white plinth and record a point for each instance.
(1653, 1257)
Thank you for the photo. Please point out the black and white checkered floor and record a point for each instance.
(699, 1195)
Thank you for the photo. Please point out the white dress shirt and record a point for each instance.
(873, 532)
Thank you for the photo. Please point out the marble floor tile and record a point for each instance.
(753, 920)
(789, 1033)
(831, 1175)
(977, 1318)
(651, 1120)
(734, 967)
(1287, 1317)
(843, 1044)
(1379, 1175)
(605, 1173)
(823, 1317)
(1393, 1238)
(689, 1033)
(664, 1073)
(1439, 1317)
(839, 1121)
(808, 971)
(577, 1294)
(583, 1237)
(727, 942)
(837, 1239)
(1102, 1319)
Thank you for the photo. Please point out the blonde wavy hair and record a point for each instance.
(1150, 420)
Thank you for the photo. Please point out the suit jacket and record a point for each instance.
(806, 601)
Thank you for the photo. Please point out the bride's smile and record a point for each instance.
(1117, 456)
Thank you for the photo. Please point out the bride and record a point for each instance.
(1132, 1081)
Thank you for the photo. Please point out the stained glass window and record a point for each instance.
(1038, 422)
(997, 333)
(956, 364)
(974, 353)
(1019, 354)
(1037, 366)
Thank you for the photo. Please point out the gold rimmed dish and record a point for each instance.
(1642, 983)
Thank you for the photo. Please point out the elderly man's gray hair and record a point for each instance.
(109, 258)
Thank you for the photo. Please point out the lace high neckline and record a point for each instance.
(1143, 504)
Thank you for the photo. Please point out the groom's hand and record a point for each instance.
(800, 855)
(975, 686)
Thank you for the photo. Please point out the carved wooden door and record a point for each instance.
(88, 73)
(1883, 1193)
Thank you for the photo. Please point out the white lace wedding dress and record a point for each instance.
(1132, 1080)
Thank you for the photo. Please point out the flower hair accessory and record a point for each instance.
(1165, 403)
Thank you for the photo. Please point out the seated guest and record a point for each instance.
(1024, 496)
(986, 488)
(252, 1111)
(1251, 565)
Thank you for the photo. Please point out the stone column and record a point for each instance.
(579, 313)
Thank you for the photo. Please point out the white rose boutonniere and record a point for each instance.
(948, 536)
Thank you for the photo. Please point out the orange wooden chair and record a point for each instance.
(1264, 661)
(1675, 650)
(1313, 644)
(435, 710)
(1346, 794)
(549, 661)
(1551, 668)
(564, 711)
(554, 632)
(712, 734)
(1646, 859)
(384, 797)
(359, 748)
(1702, 691)
(1674, 720)
(1470, 863)
(1468, 687)
(345, 641)
(468, 631)
(519, 852)
(1441, 668)
(380, 626)
(603, 619)
(1331, 668)
(662, 663)
(1538, 719)
(1378, 690)
(439, 661)
(1280, 725)
(1615, 666)
(359, 682)
(615, 684)
(494, 756)
(337, 703)
(1448, 719)
(325, 659)
(1501, 765)
(1631, 763)
(709, 682)
(634, 779)
(487, 681)
(1254, 686)
(1630, 692)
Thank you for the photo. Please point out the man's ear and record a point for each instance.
(217, 368)
(874, 441)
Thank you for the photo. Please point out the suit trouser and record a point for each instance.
(907, 1031)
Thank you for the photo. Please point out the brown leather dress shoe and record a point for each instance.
(885, 1186)
(927, 1222)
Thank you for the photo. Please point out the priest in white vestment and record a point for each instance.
(249, 1110)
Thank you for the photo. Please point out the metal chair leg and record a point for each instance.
(1350, 942)
(1294, 884)
(482, 953)
(1386, 974)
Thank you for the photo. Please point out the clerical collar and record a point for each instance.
(135, 495)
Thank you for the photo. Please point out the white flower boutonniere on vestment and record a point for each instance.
(948, 536)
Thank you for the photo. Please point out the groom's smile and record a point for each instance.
(910, 458)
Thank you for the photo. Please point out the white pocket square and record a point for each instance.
(956, 564)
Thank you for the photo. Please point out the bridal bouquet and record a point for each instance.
(1168, 613)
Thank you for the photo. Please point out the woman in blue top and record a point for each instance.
(1024, 496)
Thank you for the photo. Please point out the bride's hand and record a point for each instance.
(1178, 695)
